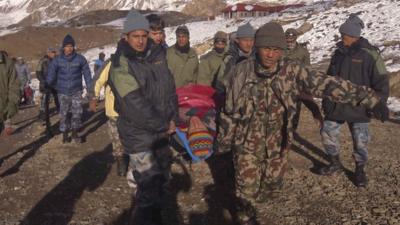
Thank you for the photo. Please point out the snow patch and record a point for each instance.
(393, 104)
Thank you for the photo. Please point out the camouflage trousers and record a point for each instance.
(115, 141)
(70, 104)
(151, 171)
(360, 134)
(258, 175)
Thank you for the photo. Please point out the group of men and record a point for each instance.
(264, 74)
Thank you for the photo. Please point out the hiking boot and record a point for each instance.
(360, 178)
(334, 166)
(122, 165)
(65, 137)
(75, 137)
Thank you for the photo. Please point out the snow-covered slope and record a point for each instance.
(41, 11)
(232, 2)
(380, 19)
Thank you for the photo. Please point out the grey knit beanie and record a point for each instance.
(352, 26)
(270, 35)
(245, 31)
(135, 21)
(182, 30)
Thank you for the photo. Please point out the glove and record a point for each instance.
(93, 105)
(43, 87)
(381, 111)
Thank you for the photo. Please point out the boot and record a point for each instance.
(122, 165)
(42, 116)
(65, 137)
(334, 166)
(75, 137)
(360, 178)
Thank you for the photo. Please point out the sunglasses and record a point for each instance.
(291, 35)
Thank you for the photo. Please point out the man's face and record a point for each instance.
(156, 36)
(269, 56)
(245, 44)
(137, 40)
(349, 40)
(220, 44)
(290, 38)
(51, 55)
(68, 49)
(182, 39)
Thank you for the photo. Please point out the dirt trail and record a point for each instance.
(46, 182)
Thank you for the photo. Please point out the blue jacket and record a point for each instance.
(65, 74)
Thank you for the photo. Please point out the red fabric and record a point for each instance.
(195, 95)
(28, 93)
(197, 98)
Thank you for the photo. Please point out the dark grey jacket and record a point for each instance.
(362, 65)
(145, 98)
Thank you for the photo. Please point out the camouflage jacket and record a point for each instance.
(260, 106)
(300, 53)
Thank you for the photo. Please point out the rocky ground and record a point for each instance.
(45, 182)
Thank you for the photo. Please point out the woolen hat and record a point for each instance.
(220, 35)
(68, 40)
(291, 32)
(182, 30)
(51, 49)
(135, 21)
(270, 35)
(245, 31)
(352, 26)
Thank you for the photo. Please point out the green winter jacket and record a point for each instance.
(208, 67)
(183, 66)
(9, 88)
(299, 53)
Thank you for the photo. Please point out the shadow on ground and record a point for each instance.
(57, 206)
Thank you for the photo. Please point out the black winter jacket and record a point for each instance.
(362, 65)
(145, 113)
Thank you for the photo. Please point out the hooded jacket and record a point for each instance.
(65, 74)
(362, 65)
(145, 97)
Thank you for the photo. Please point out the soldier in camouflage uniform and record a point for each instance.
(257, 119)
(299, 52)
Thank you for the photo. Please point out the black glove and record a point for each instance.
(43, 87)
(381, 111)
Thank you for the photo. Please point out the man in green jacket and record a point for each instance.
(182, 59)
(296, 51)
(210, 62)
(9, 89)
